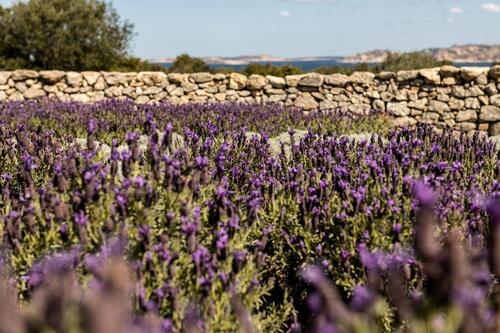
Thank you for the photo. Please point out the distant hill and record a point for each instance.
(457, 53)
(247, 59)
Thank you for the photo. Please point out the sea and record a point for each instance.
(310, 65)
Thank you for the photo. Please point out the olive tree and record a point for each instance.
(62, 34)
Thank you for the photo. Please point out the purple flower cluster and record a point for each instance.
(179, 218)
(458, 280)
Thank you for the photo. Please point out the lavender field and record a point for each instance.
(117, 217)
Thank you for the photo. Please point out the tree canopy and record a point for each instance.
(187, 64)
(62, 34)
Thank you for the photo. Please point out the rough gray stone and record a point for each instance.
(438, 106)
(202, 77)
(494, 129)
(220, 97)
(400, 109)
(177, 78)
(373, 94)
(404, 122)
(237, 81)
(359, 109)
(220, 77)
(16, 96)
(430, 117)
(449, 71)
(378, 105)
(471, 73)
(177, 92)
(474, 91)
(431, 75)
(276, 98)
(4, 77)
(337, 80)
(458, 91)
(21, 87)
(23, 74)
(113, 78)
(443, 97)
(494, 72)
(472, 103)
(51, 89)
(100, 84)
(385, 76)
(52, 76)
(91, 77)
(276, 82)
(491, 89)
(113, 91)
(449, 81)
(495, 100)
(32, 93)
(407, 75)
(484, 100)
(419, 104)
(275, 92)
(283, 141)
(489, 113)
(466, 127)
(74, 79)
(361, 78)
(152, 78)
(244, 93)
(152, 90)
(482, 79)
(311, 80)
(82, 98)
(293, 80)
(319, 96)
(256, 82)
(188, 87)
(306, 102)
(327, 105)
(466, 116)
(456, 104)
(142, 99)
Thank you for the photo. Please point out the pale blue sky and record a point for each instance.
(292, 28)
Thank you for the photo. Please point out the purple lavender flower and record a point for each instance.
(222, 239)
(91, 126)
(121, 199)
(362, 299)
(167, 326)
(313, 275)
(423, 194)
(314, 302)
(80, 219)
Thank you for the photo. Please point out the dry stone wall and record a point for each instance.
(466, 99)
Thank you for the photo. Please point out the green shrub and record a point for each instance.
(132, 64)
(268, 69)
(187, 64)
(363, 67)
(413, 60)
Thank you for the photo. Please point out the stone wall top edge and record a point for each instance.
(429, 74)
